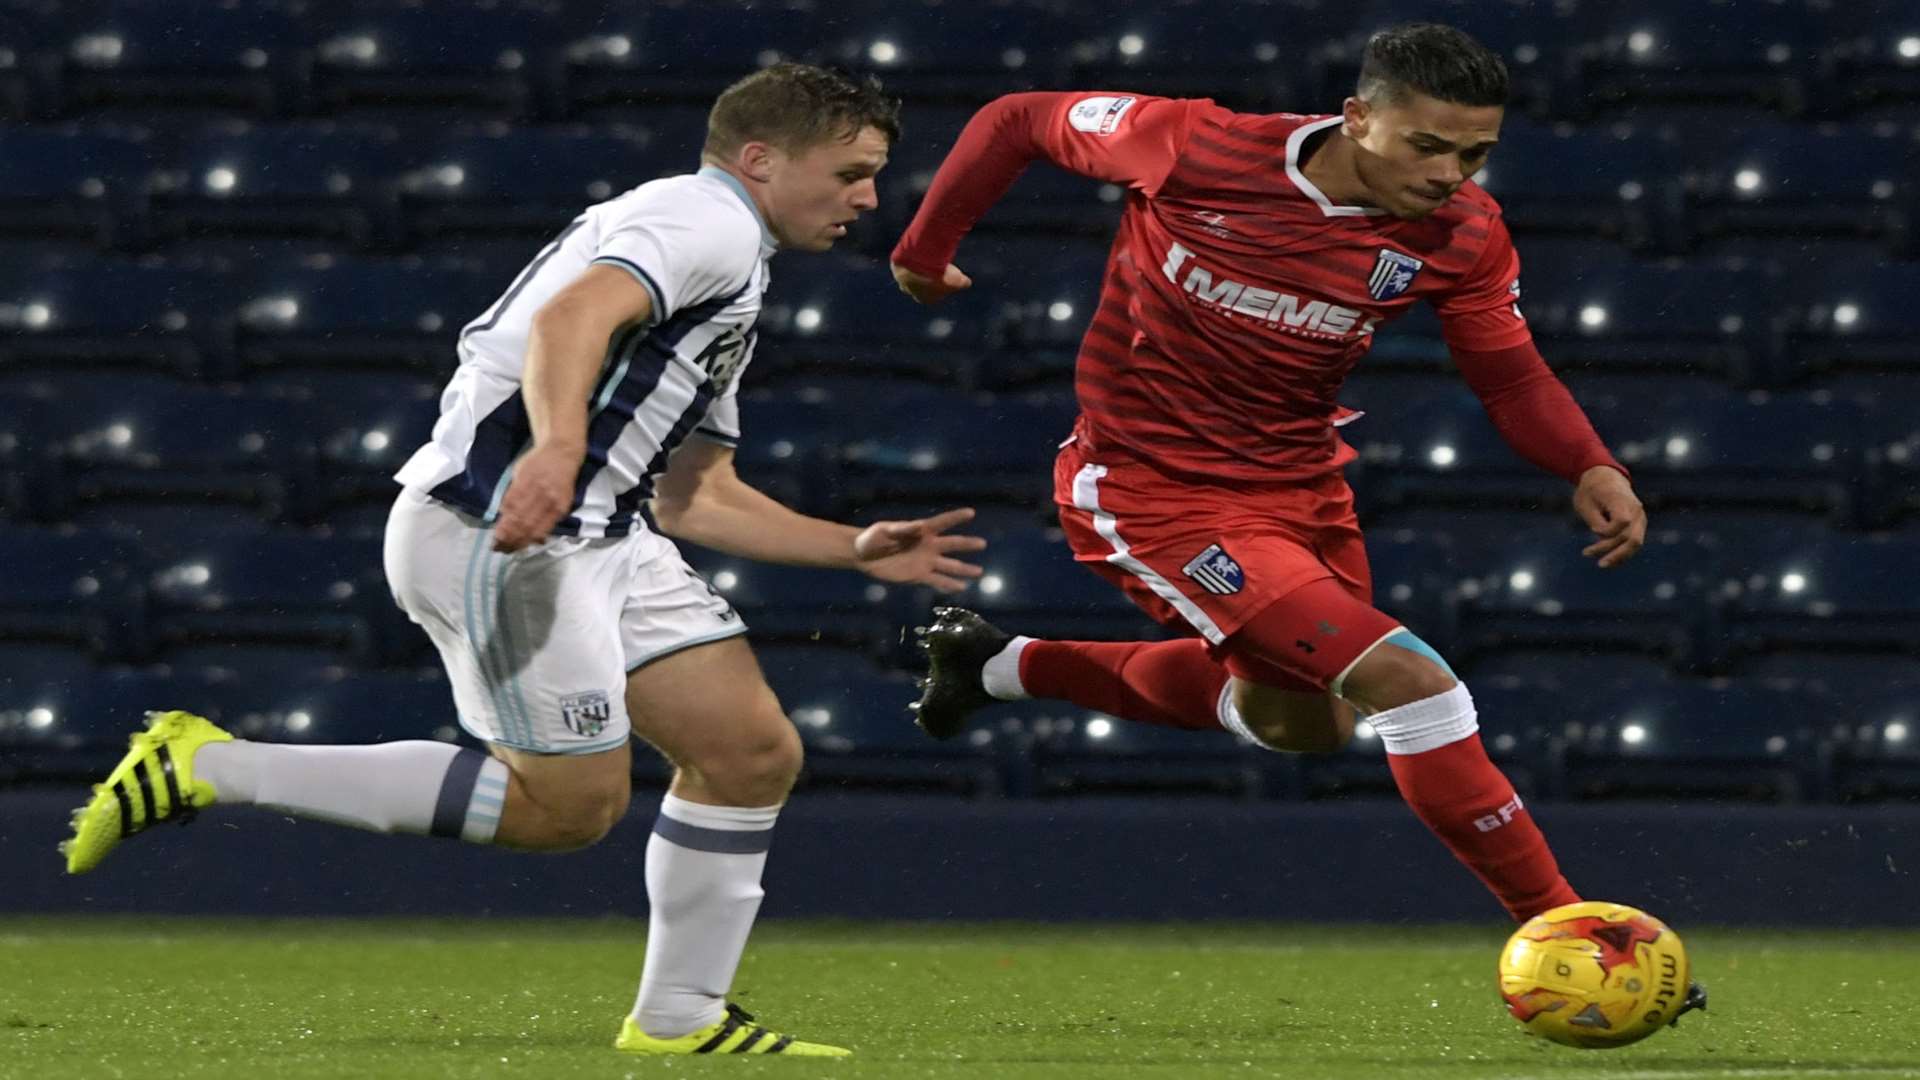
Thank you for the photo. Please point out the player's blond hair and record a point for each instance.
(797, 106)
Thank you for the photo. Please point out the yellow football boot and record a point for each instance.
(734, 1033)
(153, 783)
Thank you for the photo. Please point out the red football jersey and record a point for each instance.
(1237, 297)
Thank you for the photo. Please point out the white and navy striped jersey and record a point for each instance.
(698, 246)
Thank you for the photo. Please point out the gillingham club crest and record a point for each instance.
(1392, 274)
(1215, 571)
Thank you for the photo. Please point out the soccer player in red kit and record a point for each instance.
(1255, 258)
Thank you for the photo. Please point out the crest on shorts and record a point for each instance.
(586, 714)
(1215, 571)
(1392, 274)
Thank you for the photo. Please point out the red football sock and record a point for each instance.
(1173, 683)
(1471, 807)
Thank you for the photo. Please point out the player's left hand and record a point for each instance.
(919, 552)
(1605, 500)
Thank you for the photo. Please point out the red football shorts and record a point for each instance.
(1210, 561)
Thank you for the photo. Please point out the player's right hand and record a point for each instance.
(927, 290)
(538, 496)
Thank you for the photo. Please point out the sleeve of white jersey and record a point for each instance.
(683, 251)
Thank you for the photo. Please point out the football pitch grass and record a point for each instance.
(104, 997)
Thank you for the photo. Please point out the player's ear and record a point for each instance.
(1356, 114)
(756, 159)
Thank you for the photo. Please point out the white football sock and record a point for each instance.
(428, 788)
(1000, 677)
(1427, 724)
(703, 886)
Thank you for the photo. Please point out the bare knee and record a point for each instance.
(756, 769)
(1390, 676)
(555, 805)
(1297, 722)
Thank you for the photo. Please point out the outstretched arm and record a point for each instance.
(1121, 138)
(701, 498)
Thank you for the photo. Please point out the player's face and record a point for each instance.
(1414, 154)
(812, 196)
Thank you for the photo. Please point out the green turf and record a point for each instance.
(288, 1000)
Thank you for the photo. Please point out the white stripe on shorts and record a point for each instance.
(1086, 496)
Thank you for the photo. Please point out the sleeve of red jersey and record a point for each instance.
(1482, 312)
(1125, 139)
(1533, 411)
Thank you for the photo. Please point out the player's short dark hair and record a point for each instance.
(1431, 59)
(798, 106)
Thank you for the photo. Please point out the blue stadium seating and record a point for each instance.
(66, 323)
(1534, 590)
(363, 440)
(1852, 316)
(81, 185)
(75, 729)
(1695, 52)
(232, 457)
(528, 183)
(1441, 450)
(1032, 585)
(363, 707)
(1753, 451)
(1615, 182)
(1753, 180)
(853, 721)
(1076, 752)
(790, 445)
(1710, 738)
(340, 313)
(843, 313)
(1241, 53)
(131, 57)
(802, 604)
(637, 52)
(1871, 69)
(388, 59)
(955, 52)
(1873, 731)
(1814, 590)
(239, 590)
(924, 445)
(1604, 314)
(72, 588)
(242, 181)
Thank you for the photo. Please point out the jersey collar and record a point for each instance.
(1300, 180)
(767, 243)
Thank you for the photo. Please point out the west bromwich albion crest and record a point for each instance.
(1392, 274)
(586, 714)
(1215, 571)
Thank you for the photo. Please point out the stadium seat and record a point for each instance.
(80, 185)
(1614, 182)
(520, 182)
(853, 720)
(1712, 739)
(363, 440)
(1076, 752)
(341, 313)
(438, 58)
(842, 313)
(1241, 54)
(67, 323)
(267, 589)
(343, 707)
(637, 52)
(242, 181)
(924, 445)
(804, 604)
(1535, 590)
(1811, 590)
(1718, 449)
(1871, 69)
(1873, 734)
(127, 57)
(955, 52)
(70, 730)
(1852, 317)
(1754, 180)
(231, 457)
(1695, 52)
(790, 445)
(1441, 450)
(1592, 313)
(1031, 584)
(71, 588)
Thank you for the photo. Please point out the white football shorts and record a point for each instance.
(538, 643)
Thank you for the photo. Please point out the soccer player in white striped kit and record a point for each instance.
(594, 414)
